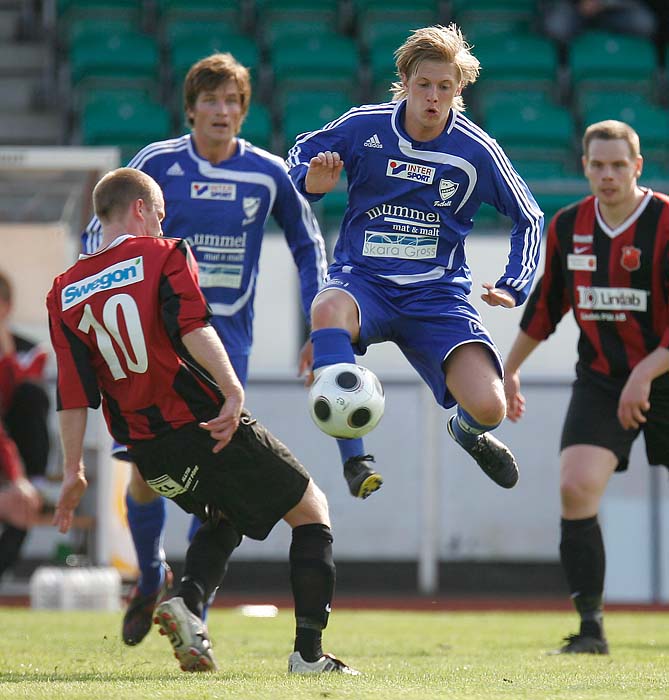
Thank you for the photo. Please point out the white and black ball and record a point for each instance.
(346, 400)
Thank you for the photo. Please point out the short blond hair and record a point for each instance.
(436, 43)
(609, 130)
(119, 188)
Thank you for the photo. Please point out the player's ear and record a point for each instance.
(138, 208)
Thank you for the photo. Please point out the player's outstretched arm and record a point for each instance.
(521, 349)
(72, 423)
(323, 172)
(206, 347)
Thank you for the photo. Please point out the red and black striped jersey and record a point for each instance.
(116, 319)
(615, 280)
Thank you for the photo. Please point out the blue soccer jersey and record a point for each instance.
(222, 211)
(411, 204)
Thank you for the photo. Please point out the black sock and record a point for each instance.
(312, 578)
(584, 563)
(206, 563)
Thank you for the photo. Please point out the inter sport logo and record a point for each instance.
(410, 171)
(213, 190)
(120, 275)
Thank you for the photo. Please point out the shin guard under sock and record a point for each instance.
(584, 562)
(312, 578)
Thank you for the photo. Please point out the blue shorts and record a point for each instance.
(240, 363)
(426, 321)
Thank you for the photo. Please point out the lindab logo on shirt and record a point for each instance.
(119, 275)
(612, 298)
(410, 171)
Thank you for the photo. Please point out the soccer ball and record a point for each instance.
(346, 400)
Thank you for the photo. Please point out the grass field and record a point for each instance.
(409, 655)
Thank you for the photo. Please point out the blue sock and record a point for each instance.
(331, 346)
(350, 448)
(147, 522)
(466, 429)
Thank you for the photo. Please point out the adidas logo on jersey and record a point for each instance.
(175, 169)
(373, 142)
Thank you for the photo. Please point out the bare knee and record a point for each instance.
(334, 309)
(139, 490)
(580, 498)
(487, 408)
(490, 412)
(312, 508)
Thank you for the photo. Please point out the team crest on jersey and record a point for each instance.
(447, 188)
(410, 171)
(119, 275)
(226, 191)
(250, 205)
(630, 258)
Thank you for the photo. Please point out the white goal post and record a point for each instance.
(45, 201)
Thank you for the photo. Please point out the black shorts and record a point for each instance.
(592, 418)
(254, 481)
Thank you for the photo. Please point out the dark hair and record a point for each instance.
(211, 72)
(119, 188)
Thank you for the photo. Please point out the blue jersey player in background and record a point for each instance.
(418, 171)
(220, 191)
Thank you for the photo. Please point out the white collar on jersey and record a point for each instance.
(613, 232)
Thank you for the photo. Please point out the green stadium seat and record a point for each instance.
(215, 10)
(188, 49)
(519, 58)
(552, 202)
(596, 99)
(655, 173)
(87, 26)
(486, 96)
(281, 29)
(96, 93)
(382, 71)
(487, 219)
(477, 32)
(541, 170)
(533, 131)
(420, 13)
(307, 111)
(326, 11)
(321, 60)
(332, 208)
(386, 32)
(257, 127)
(176, 30)
(649, 121)
(114, 59)
(613, 61)
(68, 11)
(127, 123)
(472, 11)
